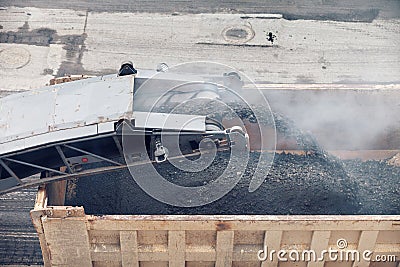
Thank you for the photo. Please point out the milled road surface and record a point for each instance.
(19, 243)
(340, 10)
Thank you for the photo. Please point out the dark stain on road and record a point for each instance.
(40, 37)
(74, 45)
(47, 71)
(304, 79)
(354, 15)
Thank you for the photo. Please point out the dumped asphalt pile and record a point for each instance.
(378, 186)
(296, 184)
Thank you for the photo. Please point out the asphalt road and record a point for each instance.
(340, 10)
(19, 243)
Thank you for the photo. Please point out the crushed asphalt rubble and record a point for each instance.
(310, 184)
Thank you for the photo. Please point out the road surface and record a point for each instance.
(47, 40)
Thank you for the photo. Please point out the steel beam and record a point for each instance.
(10, 171)
(92, 154)
(34, 165)
(64, 159)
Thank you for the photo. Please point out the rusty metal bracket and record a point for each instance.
(64, 211)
